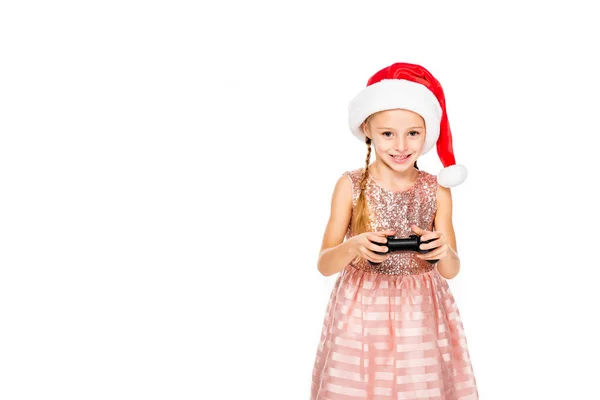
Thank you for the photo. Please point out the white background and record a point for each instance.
(166, 171)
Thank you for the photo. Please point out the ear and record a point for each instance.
(365, 129)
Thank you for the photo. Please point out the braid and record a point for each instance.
(363, 182)
(360, 219)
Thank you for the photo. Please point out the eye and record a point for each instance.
(386, 133)
(415, 133)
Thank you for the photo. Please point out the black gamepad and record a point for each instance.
(411, 243)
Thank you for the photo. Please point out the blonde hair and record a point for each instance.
(361, 221)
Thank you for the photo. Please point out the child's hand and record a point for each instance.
(364, 248)
(440, 244)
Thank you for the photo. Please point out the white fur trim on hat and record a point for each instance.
(452, 175)
(389, 94)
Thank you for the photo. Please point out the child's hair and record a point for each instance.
(360, 218)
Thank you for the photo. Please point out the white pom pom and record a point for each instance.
(452, 176)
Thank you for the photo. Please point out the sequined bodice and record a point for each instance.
(397, 211)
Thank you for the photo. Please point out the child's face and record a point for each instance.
(397, 136)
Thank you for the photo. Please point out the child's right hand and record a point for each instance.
(364, 248)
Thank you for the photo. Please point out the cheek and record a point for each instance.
(418, 144)
(382, 147)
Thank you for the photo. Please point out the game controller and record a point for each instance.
(412, 243)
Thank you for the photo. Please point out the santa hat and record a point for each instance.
(410, 87)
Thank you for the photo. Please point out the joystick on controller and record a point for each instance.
(412, 243)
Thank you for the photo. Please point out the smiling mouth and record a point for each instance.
(400, 158)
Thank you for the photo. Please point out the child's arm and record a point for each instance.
(449, 266)
(336, 253)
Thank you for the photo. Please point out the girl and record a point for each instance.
(392, 329)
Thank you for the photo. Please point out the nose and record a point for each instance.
(401, 143)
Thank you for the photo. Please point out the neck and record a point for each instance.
(384, 173)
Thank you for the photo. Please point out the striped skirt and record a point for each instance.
(392, 337)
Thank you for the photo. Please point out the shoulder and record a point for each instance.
(429, 180)
(352, 178)
(354, 174)
(442, 195)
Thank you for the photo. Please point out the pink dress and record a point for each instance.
(393, 331)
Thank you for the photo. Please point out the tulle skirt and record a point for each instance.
(392, 337)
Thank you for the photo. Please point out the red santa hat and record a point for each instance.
(411, 87)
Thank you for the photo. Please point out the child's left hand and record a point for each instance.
(440, 244)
